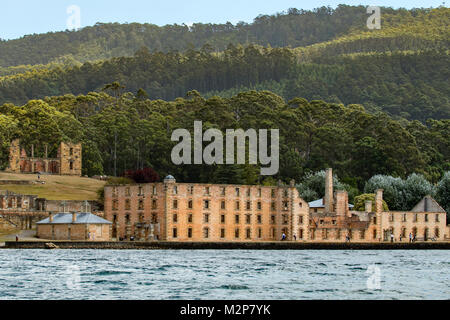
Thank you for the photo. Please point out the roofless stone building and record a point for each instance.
(67, 162)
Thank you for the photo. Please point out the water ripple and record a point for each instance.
(229, 274)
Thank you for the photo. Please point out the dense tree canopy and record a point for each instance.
(443, 193)
(294, 28)
(401, 194)
(401, 69)
(127, 131)
(360, 202)
(406, 85)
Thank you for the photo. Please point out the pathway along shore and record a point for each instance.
(162, 245)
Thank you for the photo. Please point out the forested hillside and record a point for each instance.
(294, 28)
(401, 69)
(364, 102)
(406, 84)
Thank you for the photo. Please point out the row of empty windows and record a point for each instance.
(206, 205)
(337, 234)
(207, 191)
(237, 218)
(325, 233)
(237, 205)
(247, 233)
(128, 191)
(414, 232)
(207, 218)
(153, 219)
(237, 191)
(415, 217)
(140, 204)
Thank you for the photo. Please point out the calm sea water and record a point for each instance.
(214, 274)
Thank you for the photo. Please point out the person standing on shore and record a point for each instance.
(17, 237)
(410, 237)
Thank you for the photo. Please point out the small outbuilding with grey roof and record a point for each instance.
(74, 226)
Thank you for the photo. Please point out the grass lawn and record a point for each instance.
(55, 187)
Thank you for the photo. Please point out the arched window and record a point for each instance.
(115, 205)
(403, 232)
(436, 232)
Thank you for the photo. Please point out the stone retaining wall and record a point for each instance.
(16, 182)
(229, 245)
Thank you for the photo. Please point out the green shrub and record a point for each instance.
(360, 202)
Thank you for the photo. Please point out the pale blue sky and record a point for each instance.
(21, 17)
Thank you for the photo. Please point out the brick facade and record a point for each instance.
(74, 232)
(205, 212)
(67, 162)
(426, 221)
(174, 211)
(74, 227)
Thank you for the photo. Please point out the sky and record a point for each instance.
(20, 17)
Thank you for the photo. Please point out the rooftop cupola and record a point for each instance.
(169, 179)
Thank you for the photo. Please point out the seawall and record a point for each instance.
(16, 182)
(163, 245)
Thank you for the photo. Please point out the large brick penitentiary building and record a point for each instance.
(67, 162)
(203, 212)
(174, 211)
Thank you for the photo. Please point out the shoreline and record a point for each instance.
(164, 245)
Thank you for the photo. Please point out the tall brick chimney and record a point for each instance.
(342, 203)
(329, 191)
(368, 206)
(379, 201)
